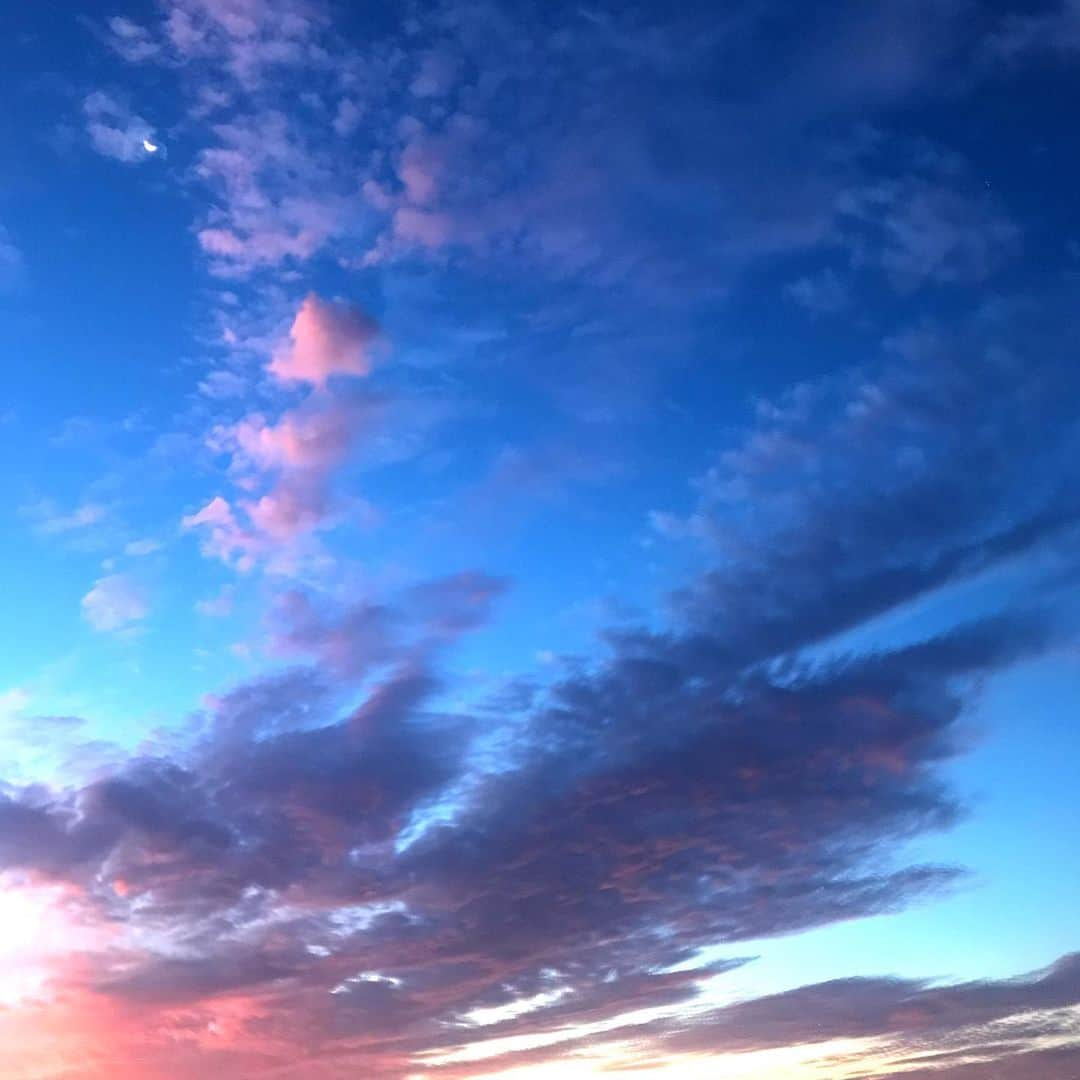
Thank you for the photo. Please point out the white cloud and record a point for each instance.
(11, 262)
(223, 384)
(132, 41)
(115, 602)
(219, 606)
(49, 520)
(115, 130)
(13, 702)
(138, 548)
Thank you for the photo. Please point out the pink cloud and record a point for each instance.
(224, 537)
(423, 227)
(287, 466)
(221, 242)
(215, 514)
(326, 339)
(276, 197)
(299, 439)
(298, 504)
(250, 36)
(264, 244)
(422, 163)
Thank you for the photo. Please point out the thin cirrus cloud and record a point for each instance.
(141, 548)
(50, 520)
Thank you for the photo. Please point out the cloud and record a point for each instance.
(350, 865)
(51, 521)
(347, 117)
(867, 1027)
(115, 130)
(754, 175)
(439, 71)
(363, 636)
(286, 467)
(252, 38)
(716, 820)
(114, 603)
(1001, 1023)
(280, 192)
(936, 429)
(215, 513)
(132, 41)
(12, 264)
(218, 606)
(592, 865)
(225, 538)
(705, 782)
(297, 505)
(527, 190)
(823, 293)
(277, 199)
(141, 548)
(1054, 31)
(223, 385)
(311, 438)
(921, 230)
(325, 340)
(298, 456)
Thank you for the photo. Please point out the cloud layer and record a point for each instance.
(462, 256)
(330, 844)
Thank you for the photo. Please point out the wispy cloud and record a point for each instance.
(12, 265)
(116, 602)
(116, 131)
(50, 520)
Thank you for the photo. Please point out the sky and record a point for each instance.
(541, 540)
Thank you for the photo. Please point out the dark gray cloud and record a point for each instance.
(904, 1010)
(859, 493)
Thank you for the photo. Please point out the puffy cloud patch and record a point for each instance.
(115, 130)
(115, 602)
(293, 459)
(326, 340)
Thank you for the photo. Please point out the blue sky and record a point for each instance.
(556, 514)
